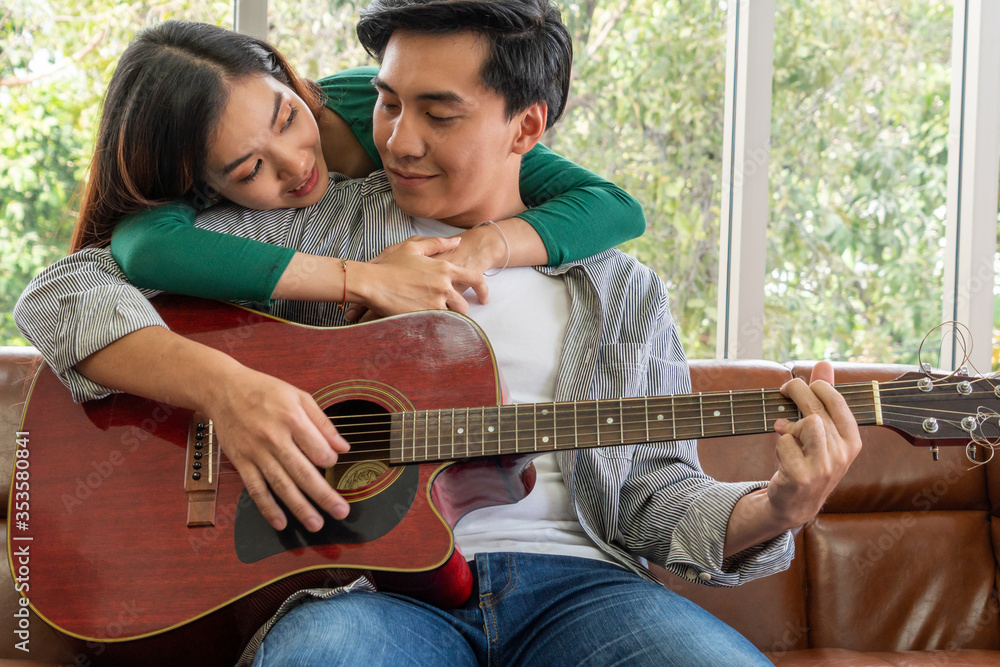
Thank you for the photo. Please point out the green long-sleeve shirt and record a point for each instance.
(577, 214)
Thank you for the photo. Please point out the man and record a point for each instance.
(450, 143)
(465, 88)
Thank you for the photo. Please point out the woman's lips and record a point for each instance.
(308, 186)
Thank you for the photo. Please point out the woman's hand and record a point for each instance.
(406, 277)
(481, 250)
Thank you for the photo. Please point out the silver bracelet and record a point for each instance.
(505, 242)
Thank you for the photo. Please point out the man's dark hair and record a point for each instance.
(531, 53)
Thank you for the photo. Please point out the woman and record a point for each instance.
(159, 142)
(162, 249)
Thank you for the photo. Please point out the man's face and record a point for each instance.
(445, 142)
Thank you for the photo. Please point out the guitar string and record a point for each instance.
(683, 407)
(375, 455)
(709, 399)
(474, 439)
(681, 420)
(750, 397)
(372, 455)
(353, 456)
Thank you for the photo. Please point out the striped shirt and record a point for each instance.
(638, 503)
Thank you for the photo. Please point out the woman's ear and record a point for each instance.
(531, 127)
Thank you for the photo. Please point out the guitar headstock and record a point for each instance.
(953, 409)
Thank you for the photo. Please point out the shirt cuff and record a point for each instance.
(699, 539)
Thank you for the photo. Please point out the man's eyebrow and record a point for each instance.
(443, 96)
(228, 169)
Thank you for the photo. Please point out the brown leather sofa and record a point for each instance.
(900, 568)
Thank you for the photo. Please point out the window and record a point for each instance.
(858, 174)
(646, 111)
(879, 137)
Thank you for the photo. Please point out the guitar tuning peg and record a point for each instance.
(934, 452)
(925, 367)
(964, 370)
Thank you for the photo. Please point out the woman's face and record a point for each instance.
(266, 152)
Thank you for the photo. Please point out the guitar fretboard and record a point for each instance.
(459, 433)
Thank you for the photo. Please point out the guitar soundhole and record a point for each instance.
(366, 426)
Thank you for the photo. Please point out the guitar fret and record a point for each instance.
(555, 429)
(564, 423)
(413, 442)
(673, 417)
(635, 421)
(715, 422)
(413, 437)
(517, 430)
(621, 420)
(646, 410)
(763, 404)
(451, 432)
(403, 437)
(497, 429)
(412, 445)
(406, 442)
(701, 413)
(428, 452)
(420, 449)
(545, 432)
(427, 420)
(595, 418)
(534, 429)
(576, 428)
(466, 432)
(732, 412)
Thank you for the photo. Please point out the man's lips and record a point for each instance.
(308, 186)
(408, 177)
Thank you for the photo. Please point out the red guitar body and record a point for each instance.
(113, 561)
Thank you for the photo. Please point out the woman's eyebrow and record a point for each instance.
(228, 169)
(278, 97)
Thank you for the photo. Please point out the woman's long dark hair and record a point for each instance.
(160, 112)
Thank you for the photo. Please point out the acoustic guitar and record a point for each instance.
(127, 521)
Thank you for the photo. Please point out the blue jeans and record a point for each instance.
(525, 609)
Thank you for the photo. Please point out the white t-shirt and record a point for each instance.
(525, 321)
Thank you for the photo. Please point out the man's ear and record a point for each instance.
(531, 127)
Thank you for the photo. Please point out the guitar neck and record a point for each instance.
(461, 433)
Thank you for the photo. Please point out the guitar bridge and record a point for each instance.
(201, 473)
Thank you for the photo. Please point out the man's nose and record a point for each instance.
(406, 139)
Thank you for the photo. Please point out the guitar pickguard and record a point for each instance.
(369, 520)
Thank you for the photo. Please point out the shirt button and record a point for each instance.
(705, 576)
(691, 574)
